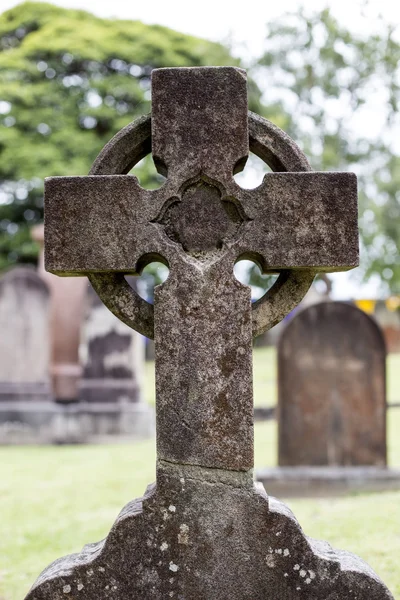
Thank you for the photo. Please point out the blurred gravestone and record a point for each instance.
(66, 309)
(24, 355)
(331, 388)
(387, 315)
(112, 384)
(204, 531)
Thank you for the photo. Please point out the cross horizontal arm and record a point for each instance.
(301, 220)
(100, 223)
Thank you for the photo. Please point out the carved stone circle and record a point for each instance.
(126, 149)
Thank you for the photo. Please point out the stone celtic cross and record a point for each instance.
(205, 531)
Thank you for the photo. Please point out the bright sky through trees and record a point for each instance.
(244, 28)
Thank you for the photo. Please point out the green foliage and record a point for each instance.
(68, 82)
(335, 84)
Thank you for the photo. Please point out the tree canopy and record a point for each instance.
(68, 82)
(340, 91)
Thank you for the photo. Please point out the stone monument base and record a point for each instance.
(327, 481)
(73, 423)
(208, 534)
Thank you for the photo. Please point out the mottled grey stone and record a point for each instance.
(269, 143)
(316, 213)
(204, 531)
(207, 535)
(111, 389)
(112, 355)
(332, 388)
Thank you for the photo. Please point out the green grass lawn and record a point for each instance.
(53, 500)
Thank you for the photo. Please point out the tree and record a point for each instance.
(68, 82)
(333, 85)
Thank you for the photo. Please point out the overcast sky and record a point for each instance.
(243, 24)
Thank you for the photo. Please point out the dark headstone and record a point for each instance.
(113, 357)
(204, 531)
(331, 391)
(111, 389)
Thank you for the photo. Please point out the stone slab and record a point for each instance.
(332, 388)
(37, 422)
(304, 481)
(24, 327)
(112, 356)
(66, 307)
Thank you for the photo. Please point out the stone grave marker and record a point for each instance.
(112, 384)
(331, 388)
(66, 309)
(24, 359)
(204, 531)
(24, 354)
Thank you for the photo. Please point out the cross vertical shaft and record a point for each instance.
(203, 338)
(202, 313)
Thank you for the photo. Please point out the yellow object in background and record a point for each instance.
(393, 303)
(368, 306)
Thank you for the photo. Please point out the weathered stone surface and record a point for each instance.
(112, 355)
(111, 387)
(208, 535)
(203, 351)
(24, 350)
(66, 308)
(204, 531)
(190, 134)
(331, 388)
(268, 142)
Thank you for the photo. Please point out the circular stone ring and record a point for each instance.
(133, 143)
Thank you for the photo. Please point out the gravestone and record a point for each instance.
(204, 531)
(331, 388)
(66, 309)
(24, 354)
(24, 360)
(113, 363)
(387, 315)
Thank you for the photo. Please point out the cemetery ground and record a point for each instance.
(53, 500)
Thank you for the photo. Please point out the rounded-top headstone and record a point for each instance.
(332, 396)
(24, 356)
